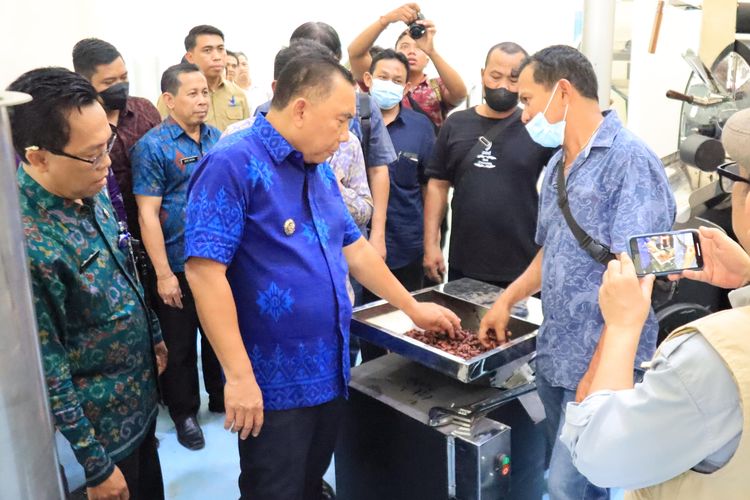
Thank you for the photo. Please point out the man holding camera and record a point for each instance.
(434, 97)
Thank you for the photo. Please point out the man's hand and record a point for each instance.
(426, 43)
(624, 299)
(407, 13)
(433, 263)
(429, 316)
(497, 319)
(378, 243)
(243, 402)
(169, 290)
(725, 262)
(584, 386)
(162, 356)
(113, 488)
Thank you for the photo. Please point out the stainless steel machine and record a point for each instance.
(422, 423)
(28, 463)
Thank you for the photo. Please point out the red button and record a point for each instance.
(506, 470)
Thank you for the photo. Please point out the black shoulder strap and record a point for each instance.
(599, 252)
(364, 120)
(485, 141)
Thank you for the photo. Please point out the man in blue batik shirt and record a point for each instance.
(269, 242)
(163, 161)
(616, 188)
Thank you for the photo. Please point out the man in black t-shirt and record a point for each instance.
(488, 157)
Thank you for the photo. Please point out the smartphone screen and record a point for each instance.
(666, 253)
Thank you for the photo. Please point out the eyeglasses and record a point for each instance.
(729, 173)
(94, 162)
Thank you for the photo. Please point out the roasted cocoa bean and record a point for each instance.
(466, 344)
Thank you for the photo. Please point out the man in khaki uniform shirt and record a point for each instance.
(204, 46)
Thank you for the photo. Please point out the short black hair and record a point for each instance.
(90, 53)
(310, 74)
(170, 79)
(43, 122)
(402, 35)
(232, 54)
(240, 53)
(320, 32)
(202, 29)
(298, 48)
(509, 48)
(378, 54)
(556, 62)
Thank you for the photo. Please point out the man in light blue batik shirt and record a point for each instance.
(617, 188)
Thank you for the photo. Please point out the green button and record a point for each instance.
(506, 460)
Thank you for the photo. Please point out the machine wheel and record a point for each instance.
(677, 315)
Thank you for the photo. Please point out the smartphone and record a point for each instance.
(666, 253)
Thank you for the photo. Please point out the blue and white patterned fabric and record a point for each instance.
(617, 188)
(163, 161)
(289, 289)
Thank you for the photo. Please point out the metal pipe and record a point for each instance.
(28, 460)
(597, 43)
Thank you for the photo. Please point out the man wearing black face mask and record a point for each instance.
(130, 117)
(488, 157)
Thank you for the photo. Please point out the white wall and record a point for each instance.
(651, 115)
(149, 34)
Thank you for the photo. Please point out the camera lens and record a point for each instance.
(417, 31)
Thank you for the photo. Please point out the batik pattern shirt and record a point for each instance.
(163, 161)
(348, 166)
(95, 331)
(429, 95)
(279, 225)
(138, 117)
(617, 188)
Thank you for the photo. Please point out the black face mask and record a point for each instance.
(501, 99)
(116, 96)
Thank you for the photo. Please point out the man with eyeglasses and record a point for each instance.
(735, 177)
(101, 346)
(163, 162)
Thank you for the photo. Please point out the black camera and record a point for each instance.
(417, 30)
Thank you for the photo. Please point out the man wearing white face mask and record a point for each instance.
(412, 136)
(615, 187)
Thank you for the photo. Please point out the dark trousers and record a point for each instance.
(412, 277)
(179, 381)
(289, 457)
(142, 470)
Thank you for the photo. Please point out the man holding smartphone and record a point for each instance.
(615, 187)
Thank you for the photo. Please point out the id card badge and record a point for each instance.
(188, 160)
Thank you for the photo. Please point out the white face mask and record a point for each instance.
(385, 93)
(544, 133)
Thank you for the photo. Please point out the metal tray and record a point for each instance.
(385, 326)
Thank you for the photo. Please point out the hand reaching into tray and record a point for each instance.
(493, 328)
(430, 316)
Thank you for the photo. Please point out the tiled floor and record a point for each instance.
(210, 473)
(207, 474)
